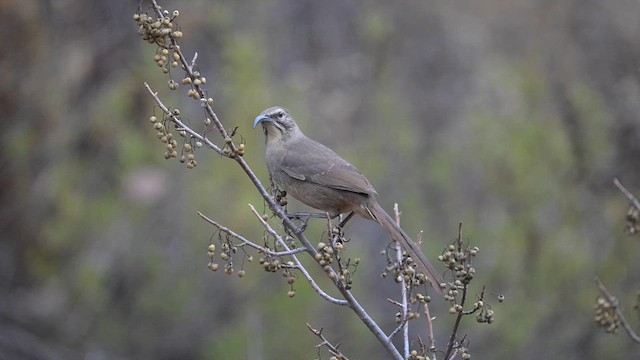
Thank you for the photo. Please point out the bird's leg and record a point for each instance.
(304, 217)
(345, 220)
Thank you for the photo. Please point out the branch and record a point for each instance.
(403, 319)
(403, 290)
(627, 193)
(452, 338)
(299, 265)
(614, 303)
(427, 313)
(249, 243)
(181, 126)
(332, 349)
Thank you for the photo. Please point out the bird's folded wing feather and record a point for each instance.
(311, 161)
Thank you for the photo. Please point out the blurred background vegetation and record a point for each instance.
(510, 117)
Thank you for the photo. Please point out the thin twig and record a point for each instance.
(181, 125)
(614, 303)
(452, 338)
(403, 320)
(403, 290)
(193, 61)
(299, 265)
(397, 329)
(454, 354)
(432, 340)
(245, 241)
(330, 347)
(627, 193)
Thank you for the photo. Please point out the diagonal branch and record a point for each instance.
(181, 125)
(250, 243)
(627, 193)
(454, 332)
(614, 303)
(299, 265)
(332, 349)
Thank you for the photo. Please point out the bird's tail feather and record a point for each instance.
(381, 216)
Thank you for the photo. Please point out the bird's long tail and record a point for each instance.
(381, 216)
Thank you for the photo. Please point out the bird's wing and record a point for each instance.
(311, 161)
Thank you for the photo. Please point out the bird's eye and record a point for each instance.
(280, 115)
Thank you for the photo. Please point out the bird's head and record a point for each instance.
(277, 123)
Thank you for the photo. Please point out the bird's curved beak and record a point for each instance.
(259, 119)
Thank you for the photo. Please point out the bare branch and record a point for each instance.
(331, 348)
(614, 303)
(181, 125)
(299, 265)
(249, 243)
(193, 61)
(403, 291)
(627, 193)
(427, 313)
(452, 338)
(454, 354)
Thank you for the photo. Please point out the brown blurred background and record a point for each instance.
(510, 117)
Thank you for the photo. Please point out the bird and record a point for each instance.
(318, 177)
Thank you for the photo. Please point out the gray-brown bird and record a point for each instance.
(315, 175)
